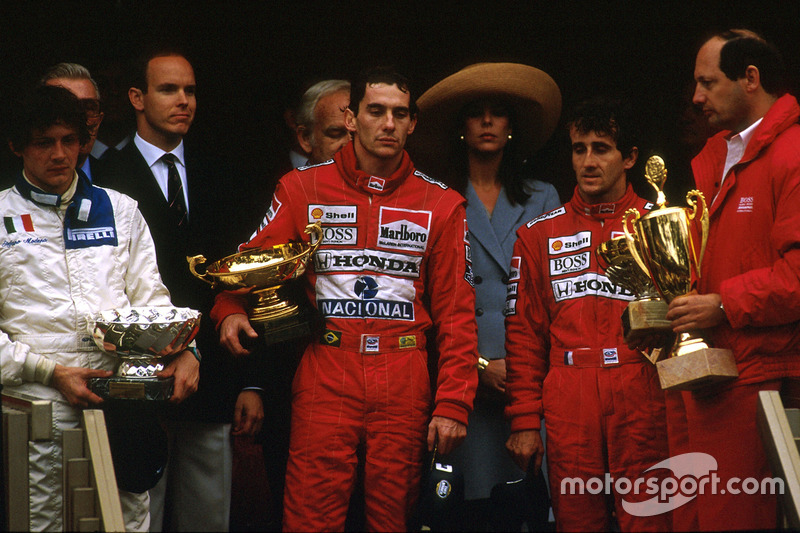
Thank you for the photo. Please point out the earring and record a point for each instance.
(509, 136)
(461, 137)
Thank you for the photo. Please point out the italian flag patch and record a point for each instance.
(18, 223)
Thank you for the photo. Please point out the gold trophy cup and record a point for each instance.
(664, 244)
(646, 315)
(266, 271)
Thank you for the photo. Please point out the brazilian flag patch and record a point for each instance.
(409, 341)
(332, 338)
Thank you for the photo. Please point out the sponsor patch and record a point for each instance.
(404, 229)
(468, 253)
(430, 179)
(745, 204)
(469, 275)
(513, 272)
(547, 216)
(407, 341)
(569, 264)
(649, 206)
(589, 284)
(511, 307)
(273, 209)
(332, 338)
(443, 488)
(366, 260)
(570, 243)
(615, 234)
(370, 344)
(91, 234)
(376, 183)
(466, 232)
(352, 296)
(332, 214)
(568, 358)
(610, 356)
(511, 289)
(339, 235)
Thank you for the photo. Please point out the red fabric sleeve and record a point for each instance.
(527, 334)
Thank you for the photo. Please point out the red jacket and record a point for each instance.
(394, 262)
(559, 300)
(753, 254)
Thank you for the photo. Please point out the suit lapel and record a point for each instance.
(481, 228)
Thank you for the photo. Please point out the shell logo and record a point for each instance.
(557, 245)
(317, 213)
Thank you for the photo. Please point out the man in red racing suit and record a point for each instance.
(393, 263)
(567, 360)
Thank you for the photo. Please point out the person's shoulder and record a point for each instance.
(435, 187)
(537, 222)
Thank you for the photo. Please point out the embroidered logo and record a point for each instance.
(745, 204)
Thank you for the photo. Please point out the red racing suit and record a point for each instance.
(567, 362)
(753, 262)
(394, 262)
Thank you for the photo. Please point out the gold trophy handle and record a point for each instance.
(694, 197)
(193, 262)
(315, 230)
(630, 238)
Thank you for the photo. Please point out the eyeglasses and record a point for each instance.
(91, 106)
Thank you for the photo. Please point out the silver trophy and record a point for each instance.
(140, 337)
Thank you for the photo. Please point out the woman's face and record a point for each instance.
(486, 127)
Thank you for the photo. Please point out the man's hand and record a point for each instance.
(185, 368)
(524, 446)
(248, 414)
(71, 382)
(229, 332)
(448, 432)
(695, 311)
(494, 375)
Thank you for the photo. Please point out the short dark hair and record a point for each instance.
(43, 107)
(381, 74)
(743, 48)
(138, 76)
(609, 116)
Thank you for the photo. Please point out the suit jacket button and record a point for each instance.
(504, 279)
(479, 312)
(478, 280)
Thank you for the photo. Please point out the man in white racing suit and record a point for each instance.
(68, 249)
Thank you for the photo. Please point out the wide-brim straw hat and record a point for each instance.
(531, 92)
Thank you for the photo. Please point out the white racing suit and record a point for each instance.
(46, 293)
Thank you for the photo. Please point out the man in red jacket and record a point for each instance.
(749, 293)
(566, 357)
(394, 262)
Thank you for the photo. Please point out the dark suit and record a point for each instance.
(210, 230)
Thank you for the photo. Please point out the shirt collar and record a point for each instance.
(746, 134)
(152, 153)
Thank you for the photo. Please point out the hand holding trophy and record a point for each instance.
(265, 272)
(664, 244)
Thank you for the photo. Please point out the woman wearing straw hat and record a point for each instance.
(475, 130)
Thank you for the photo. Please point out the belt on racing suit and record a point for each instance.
(594, 357)
(371, 344)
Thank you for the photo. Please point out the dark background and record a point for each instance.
(252, 57)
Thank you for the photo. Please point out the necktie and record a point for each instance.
(175, 189)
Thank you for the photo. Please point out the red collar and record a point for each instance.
(347, 164)
(605, 210)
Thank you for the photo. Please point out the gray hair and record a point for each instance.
(305, 111)
(71, 71)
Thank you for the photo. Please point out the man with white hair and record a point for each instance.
(320, 119)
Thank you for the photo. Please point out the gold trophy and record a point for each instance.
(266, 271)
(646, 315)
(664, 244)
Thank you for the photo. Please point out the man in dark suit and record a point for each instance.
(183, 201)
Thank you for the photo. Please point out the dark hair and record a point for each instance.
(138, 71)
(510, 171)
(43, 107)
(743, 48)
(608, 116)
(382, 74)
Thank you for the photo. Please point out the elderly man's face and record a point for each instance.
(90, 100)
(329, 133)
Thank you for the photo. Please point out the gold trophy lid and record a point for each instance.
(655, 172)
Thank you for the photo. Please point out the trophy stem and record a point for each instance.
(688, 343)
(270, 307)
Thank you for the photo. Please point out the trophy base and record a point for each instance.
(643, 318)
(284, 329)
(118, 388)
(697, 369)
